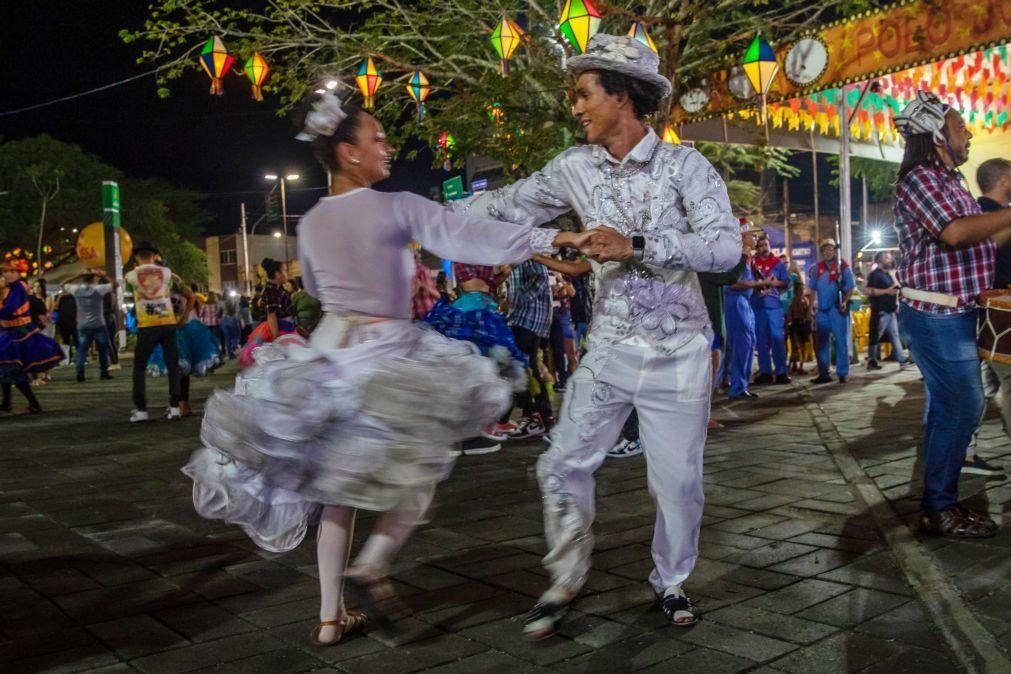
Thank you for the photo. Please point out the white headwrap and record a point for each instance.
(924, 114)
(326, 114)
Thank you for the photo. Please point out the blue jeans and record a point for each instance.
(100, 336)
(230, 331)
(829, 324)
(945, 351)
(888, 325)
(770, 334)
(740, 320)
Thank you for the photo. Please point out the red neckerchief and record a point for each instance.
(833, 271)
(765, 265)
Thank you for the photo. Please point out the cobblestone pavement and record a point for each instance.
(104, 565)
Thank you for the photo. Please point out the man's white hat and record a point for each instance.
(621, 54)
(924, 114)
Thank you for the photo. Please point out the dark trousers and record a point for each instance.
(147, 340)
(556, 340)
(110, 324)
(528, 342)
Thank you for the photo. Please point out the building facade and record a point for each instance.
(227, 265)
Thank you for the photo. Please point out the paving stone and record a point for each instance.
(507, 636)
(489, 661)
(769, 555)
(769, 623)
(815, 563)
(704, 660)
(798, 596)
(740, 643)
(281, 660)
(630, 654)
(907, 624)
(839, 654)
(202, 621)
(440, 650)
(207, 654)
(854, 607)
(136, 636)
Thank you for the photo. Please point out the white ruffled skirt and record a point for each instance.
(363, 415)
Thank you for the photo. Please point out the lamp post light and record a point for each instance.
(284, 207)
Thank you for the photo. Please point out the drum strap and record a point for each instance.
(930, 297)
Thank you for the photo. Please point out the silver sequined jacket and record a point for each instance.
(669, 194)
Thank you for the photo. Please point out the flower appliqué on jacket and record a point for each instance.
(659, 307)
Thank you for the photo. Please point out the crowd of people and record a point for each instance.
(663, 296)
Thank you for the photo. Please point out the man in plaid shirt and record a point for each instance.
(529, 316)
(947, 260)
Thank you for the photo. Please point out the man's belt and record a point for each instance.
(930, 297)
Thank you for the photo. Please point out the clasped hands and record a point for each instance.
(602, 244)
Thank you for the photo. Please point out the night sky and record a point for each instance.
(221, 146)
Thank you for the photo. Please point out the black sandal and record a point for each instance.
(973, 516)
(377, 599)
(678, 608)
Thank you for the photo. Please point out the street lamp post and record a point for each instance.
(284, 207)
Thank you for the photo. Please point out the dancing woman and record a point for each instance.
(24, 349)
(365, 414)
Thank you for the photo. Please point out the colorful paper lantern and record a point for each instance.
(506, 38)
(368, 80)
(446, 144)
(579, 22)
(418, 90)
(638, 31)
(257, 70)
(760, 65)
(216, 62)
(671, 136)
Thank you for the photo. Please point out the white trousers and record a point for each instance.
(671, 395)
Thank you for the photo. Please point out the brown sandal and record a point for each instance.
(353, 622)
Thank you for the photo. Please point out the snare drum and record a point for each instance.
(993, 326)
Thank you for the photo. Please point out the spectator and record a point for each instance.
(800, 328)
(308, 309)
(831, 286)
(209, 314)
(66, 324)
(770, 328)
(89, 296)
(424, 293)
(947, 260)
(231, 328)
(529, 317)
(883, 293)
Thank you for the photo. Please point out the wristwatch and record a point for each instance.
(638, 247)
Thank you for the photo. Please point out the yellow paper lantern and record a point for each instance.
(91, 244)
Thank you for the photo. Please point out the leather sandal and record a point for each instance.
(973, 516)
(353, 622)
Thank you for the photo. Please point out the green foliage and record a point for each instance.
(306, 41)
(880, 174)
(746, 196)
(152, 209)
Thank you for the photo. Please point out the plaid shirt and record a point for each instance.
(530, 298)
(209, 314)
(926, 200)
(466, 272)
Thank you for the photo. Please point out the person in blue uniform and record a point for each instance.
(740, 322)
(770, 326)
(831, 285)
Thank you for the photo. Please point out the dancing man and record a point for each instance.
(650, 335)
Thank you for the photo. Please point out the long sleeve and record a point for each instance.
(714, 244)
(14, 303)
(472, 240)
(726, 278)
(534, 200)
(305, 267)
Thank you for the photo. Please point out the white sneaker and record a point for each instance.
(492, 433)
(173, 413)
(139, 415)
(625, 449)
